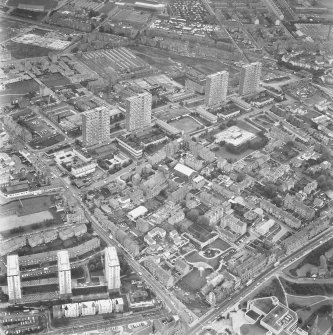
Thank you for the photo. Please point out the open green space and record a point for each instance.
(313, 258)
(270, 288)
(307, 289)
(9, 28)
(220, 244)
(233, 157)
(21, 87)
(28, 14)
(48, 4)
(194, 257)
(193, 281)
(14, 221)
(187, 124)
(255, 329)
(54, 79)
(165, 59)
(21, 51)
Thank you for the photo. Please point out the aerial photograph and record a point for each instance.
(166, 167)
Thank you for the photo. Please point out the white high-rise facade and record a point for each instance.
(138, 111)
(64, 272)
(112, 268)
(13, 278)
(96, 126)
(250, 78)
(216, 88)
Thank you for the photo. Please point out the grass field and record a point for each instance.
(255, 329)
(10, 28)
(21, 87)
(48, 4)
(220, 244)
(28, 14)
(20, 51)
(54, 79)
(193, 282)
(187, 124)
(194, 257)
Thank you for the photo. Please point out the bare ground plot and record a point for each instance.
(14, 221)
(187, 124)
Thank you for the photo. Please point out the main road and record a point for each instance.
(242, 293)
(172, 303)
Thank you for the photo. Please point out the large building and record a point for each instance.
(249, 78)
(95, 126)
(216, 88)
(138, 111)
(112, 268)
(64, 272)
(13, 278)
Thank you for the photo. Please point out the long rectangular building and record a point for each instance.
(112, 268)
(13, 278)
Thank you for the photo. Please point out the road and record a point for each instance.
(236, 298)
(172, 303)
(90, 323)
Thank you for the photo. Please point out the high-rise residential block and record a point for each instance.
(249, 78)
(138, 111)
(64, 272)
(216, 88)
(13, 278)
(96, 126)
(112, 268)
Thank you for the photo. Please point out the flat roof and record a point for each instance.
(13, 265)
(234, 135)
(184, 169)
(63, 260)
(274, 317)
(136, 212)
(111, 256)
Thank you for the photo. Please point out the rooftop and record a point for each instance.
(63, 260)
(111, 256)
(12, 265)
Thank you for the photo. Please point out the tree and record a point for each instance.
(193, 215)
(203, 220)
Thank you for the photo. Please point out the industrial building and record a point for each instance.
(13, 278)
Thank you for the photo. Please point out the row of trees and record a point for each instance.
(194, 216)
